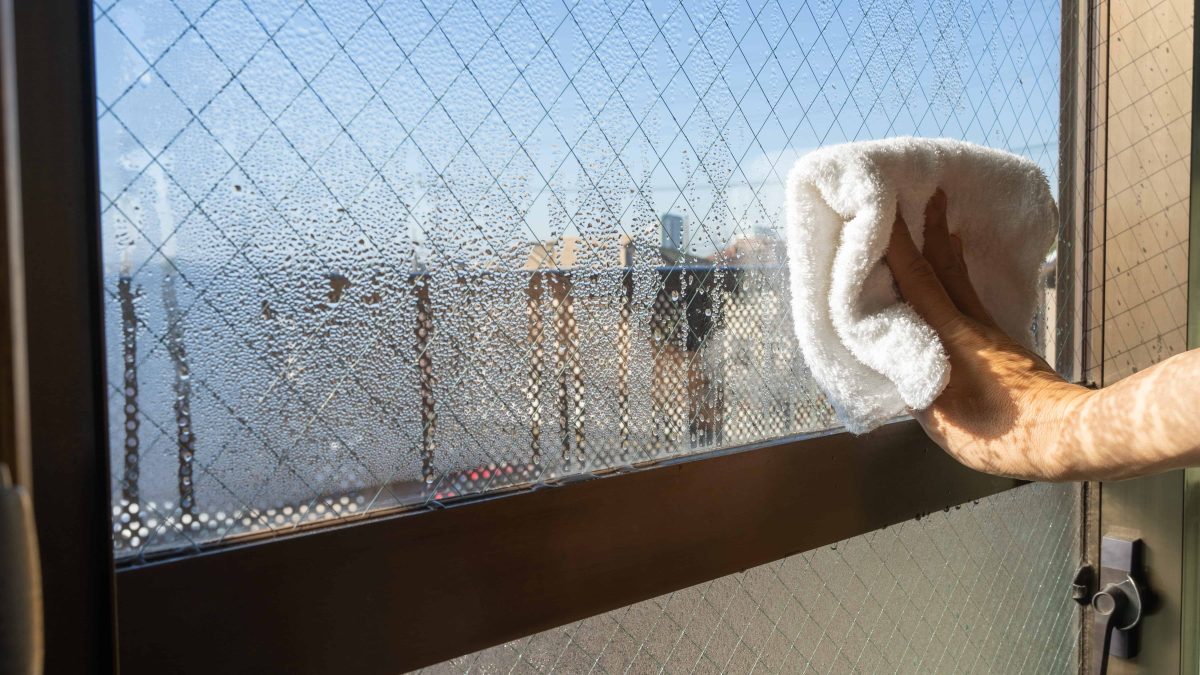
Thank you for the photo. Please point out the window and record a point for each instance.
(363, 257)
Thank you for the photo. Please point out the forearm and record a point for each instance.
(1147, 423)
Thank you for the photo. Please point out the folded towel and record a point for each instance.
(868, 350)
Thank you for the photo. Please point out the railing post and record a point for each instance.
(698, 315)
(624, 338)
(537, 355)
(666, 399)
(423, 334)
(130, 471)
(185, 436)
(569, 367)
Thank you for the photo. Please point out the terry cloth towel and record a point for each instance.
(868, 350)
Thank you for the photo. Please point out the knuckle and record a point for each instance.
(919, 269)
(960, 330)
(952, 264)
(944, 261)
(954, 274)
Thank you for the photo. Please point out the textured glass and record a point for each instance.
(977, 589)
(1140, 228)
(363, 255)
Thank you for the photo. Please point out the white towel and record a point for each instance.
(868, 350)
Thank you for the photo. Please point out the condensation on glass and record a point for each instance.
(363, 255)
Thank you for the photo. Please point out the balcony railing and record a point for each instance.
(616, 367)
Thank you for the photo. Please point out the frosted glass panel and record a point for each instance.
(366, 255)
(976, 589)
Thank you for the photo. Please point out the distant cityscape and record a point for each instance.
(761, 246)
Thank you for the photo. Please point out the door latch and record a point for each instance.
(1117, 605)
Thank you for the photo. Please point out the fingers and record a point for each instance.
(944, 253)
(917, 280)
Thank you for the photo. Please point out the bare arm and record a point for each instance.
(1146, 423)
(1005, 411)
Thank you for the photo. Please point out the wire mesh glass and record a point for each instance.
(1140, 236)
(981, 588)
(377, 254)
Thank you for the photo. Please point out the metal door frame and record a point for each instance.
(52, 158)
(1162, 510)
(1190, 621)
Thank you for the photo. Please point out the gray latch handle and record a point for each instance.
(1117, 607)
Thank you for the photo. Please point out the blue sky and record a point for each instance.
(473, 129)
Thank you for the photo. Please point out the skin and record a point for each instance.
(1005, 411)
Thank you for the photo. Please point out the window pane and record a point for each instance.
(371, 255)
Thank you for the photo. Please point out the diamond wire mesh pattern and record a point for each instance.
(977, 589)
(375, 254)
(1145, 236)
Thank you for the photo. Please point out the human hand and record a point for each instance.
(1004, 409)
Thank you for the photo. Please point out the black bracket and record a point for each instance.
(1083, 584)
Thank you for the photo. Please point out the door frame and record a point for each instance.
(55, 166)
(1162, 510)
(1190, 621)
